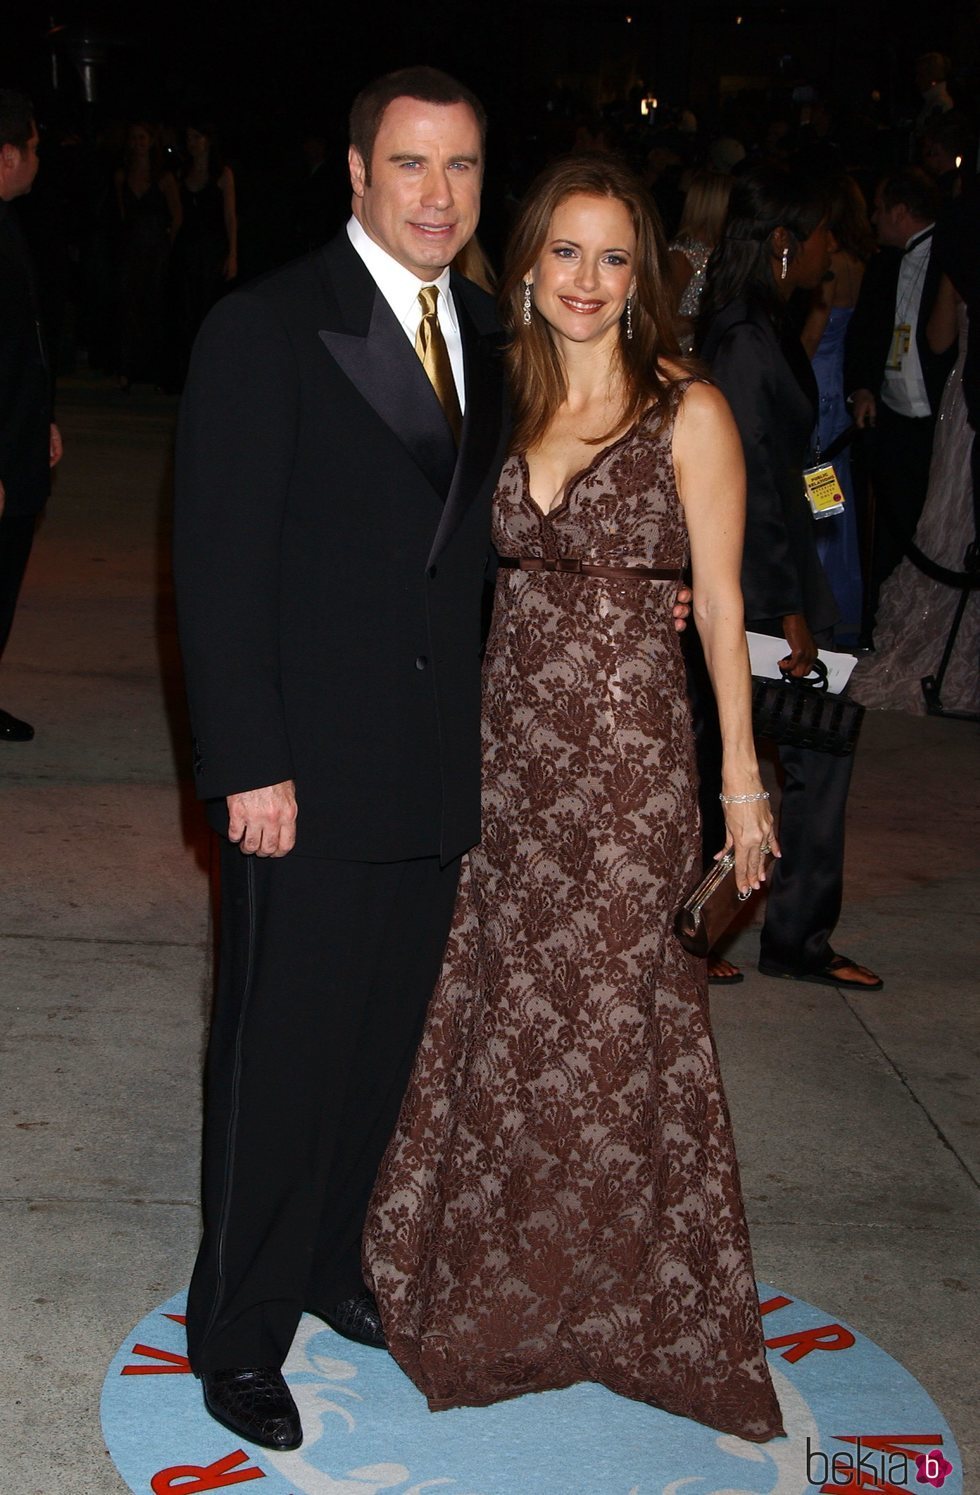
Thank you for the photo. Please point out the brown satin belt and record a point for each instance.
(585, 568)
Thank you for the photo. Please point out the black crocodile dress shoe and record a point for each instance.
(357, 1319)
(255, 1403)
(12, 729)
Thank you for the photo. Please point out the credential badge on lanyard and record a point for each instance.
(823, 490)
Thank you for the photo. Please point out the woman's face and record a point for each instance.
(197, 144)
(586, 268)
(139, 141)
(812, 261)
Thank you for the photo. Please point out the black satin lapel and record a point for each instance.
(383, 367)
(479, 454)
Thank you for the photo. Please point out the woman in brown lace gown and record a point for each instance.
(560, 1201)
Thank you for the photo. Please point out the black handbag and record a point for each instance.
(803, 713)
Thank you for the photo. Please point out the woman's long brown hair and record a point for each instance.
(537, 375)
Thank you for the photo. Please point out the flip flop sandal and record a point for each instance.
(825, 977)
(732, 980)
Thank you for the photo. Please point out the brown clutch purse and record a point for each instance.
(703, 918)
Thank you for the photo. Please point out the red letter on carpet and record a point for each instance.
(218, 1476)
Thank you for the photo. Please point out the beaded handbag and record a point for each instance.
(802, 713)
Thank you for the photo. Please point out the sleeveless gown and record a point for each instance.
(144, 256)
(560, 1201)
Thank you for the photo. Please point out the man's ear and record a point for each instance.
(355, 162)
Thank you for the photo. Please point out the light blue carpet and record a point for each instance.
(368, 1431)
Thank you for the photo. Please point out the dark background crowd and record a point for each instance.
(185, 152)
(187, 148)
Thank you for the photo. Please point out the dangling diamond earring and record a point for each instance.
(629, 319)
(785, 263)
(527, 303)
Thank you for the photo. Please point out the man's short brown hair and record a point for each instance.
(427, 84)
(16, 119)
(913, 188)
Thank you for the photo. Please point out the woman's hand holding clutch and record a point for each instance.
(751, 832)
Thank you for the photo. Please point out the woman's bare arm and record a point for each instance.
(711, 483)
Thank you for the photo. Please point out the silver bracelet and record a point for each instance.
(743, 799)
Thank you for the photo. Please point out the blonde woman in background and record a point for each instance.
(700, 228)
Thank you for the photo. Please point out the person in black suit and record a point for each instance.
(892, 378)
(30, 444)
(331, 541)
(777, 239)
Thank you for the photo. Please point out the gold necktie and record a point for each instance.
(430, 345)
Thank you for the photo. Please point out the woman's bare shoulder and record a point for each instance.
(701, 411)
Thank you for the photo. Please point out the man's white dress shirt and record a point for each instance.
(400, 288)
(904, 389)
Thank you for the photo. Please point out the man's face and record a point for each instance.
(890, 224)
(19, 167)
(423, 201)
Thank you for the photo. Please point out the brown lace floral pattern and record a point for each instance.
(561, 1200)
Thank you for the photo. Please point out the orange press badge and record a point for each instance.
(900, 345)
(823, 490)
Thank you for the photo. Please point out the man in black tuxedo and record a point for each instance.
(892, 378)
(332, 534)
(30, 444)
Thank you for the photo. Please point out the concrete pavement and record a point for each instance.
(855, 1115)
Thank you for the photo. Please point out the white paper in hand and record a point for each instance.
(765, 653)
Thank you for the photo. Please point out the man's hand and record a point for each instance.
(803, 648)
(864, 409)
(682, 608)
(56, 448)
(263, 821)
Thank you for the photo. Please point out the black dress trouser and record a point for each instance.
(806, 884)
(16, 539)
(900, 469)
(326, 969)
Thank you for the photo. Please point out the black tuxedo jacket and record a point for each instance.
(330, 551)
(774, 402)
(25, 385)
(869, 334)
